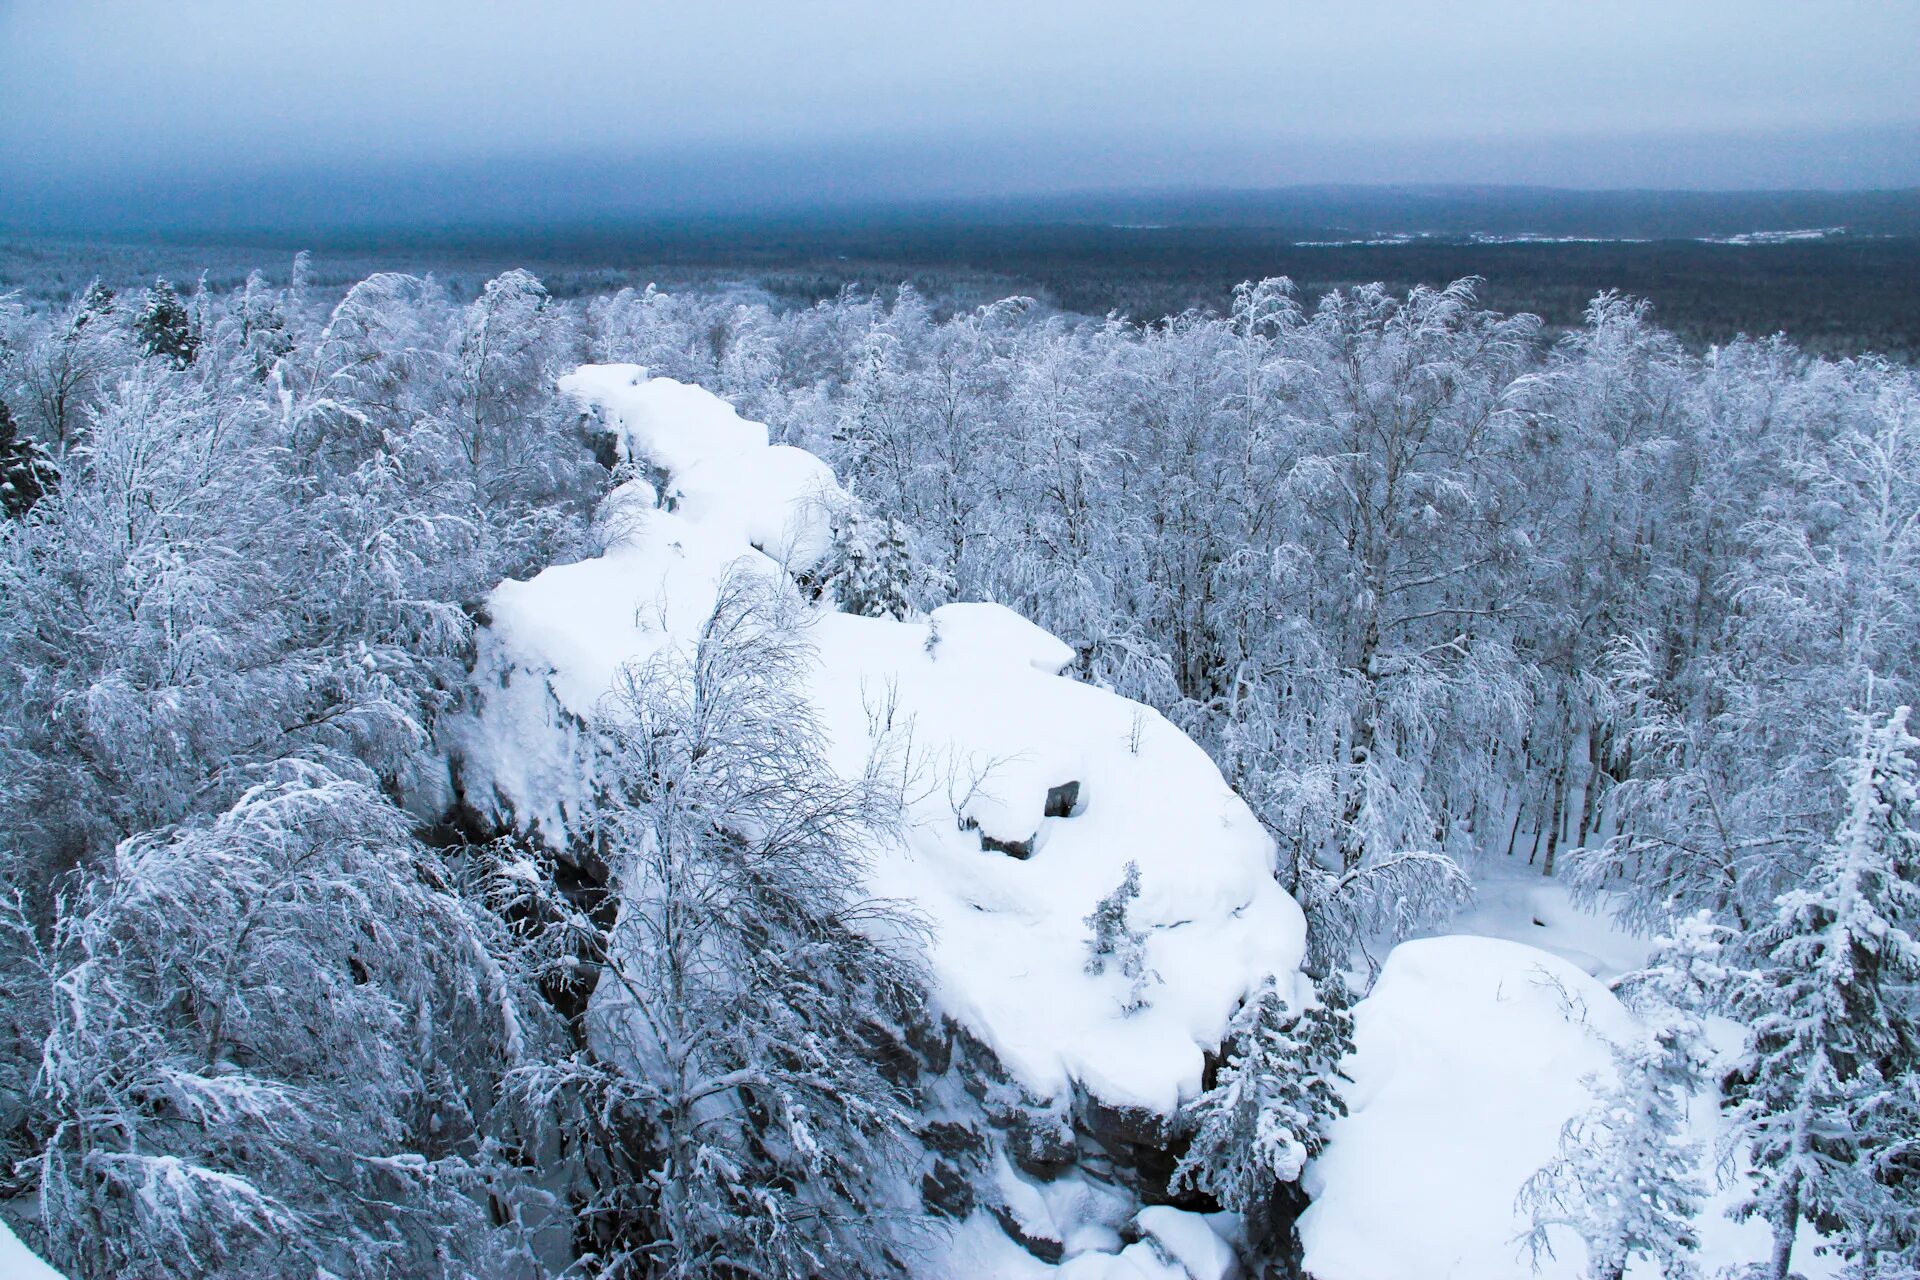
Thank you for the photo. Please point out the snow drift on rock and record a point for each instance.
(1468, 1059)
(1002, 854)
(1470, 1055)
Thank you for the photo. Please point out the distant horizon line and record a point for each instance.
(1191, 208)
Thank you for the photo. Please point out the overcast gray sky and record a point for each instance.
(838, 98)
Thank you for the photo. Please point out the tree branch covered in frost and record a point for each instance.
(747, 985)
(1271, 1103)
(1391, 898)
(1628, 1181)
(1831, 1054)
(275, 1036)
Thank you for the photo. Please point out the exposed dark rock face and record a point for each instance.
(951, 1138)
(893, 1053)
(931, 1038)
(1280, 1249)
(1021, 849)
(1063, 801)
(979, 1069)
(1120, 1129)
(1045, 1248)
(1040, 1143)
(946, 1191)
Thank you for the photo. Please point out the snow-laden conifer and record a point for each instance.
(1831, 1051)
(1630, 1180)
(1115, 944)
(26, 472)
(164, 326)
(1272, 1101)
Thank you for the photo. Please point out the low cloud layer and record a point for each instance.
(753, 103)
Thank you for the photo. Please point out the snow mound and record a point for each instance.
(1469, 1057)
(1028, 793)
(1189, 1241)
(17, 1262)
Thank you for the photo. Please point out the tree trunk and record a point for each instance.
(1559, 814)
(1360, 750)
(1785, 1225)
(1590, 808)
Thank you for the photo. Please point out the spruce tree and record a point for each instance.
(25, 471)
(97, 301)
(892, 595)
(1272, 1102)
(852, 560)
(1117, 943)
(1628, 1181)
(1830, 1055)
(164, 328)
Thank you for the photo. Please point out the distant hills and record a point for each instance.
(1838, 271)
(1341, 212)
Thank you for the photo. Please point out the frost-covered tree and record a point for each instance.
(164, 327)
(1783, 596)
(256, 328)
(735, 1112)
(278, 1046)
(1629, 1181)
(25, 470)
(893, 573)
(870, 573)
(1388, 898)
(70, 364)
(1832, 1044)
(1271, 1103)
(1115, 944)
(851, 573)
(507, 347)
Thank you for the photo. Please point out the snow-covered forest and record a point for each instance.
(477, 805)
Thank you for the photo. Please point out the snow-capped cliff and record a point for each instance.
(1026, 793)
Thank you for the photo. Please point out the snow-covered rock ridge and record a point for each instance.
(1027, 793)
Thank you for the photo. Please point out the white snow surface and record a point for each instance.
(1470, 1054)
(1512, 900)
(992, 727)
(1187, 1240)
(1468, 1058)
(17, 1262)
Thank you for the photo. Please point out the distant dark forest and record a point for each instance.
(1149, 256)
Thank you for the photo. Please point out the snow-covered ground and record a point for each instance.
(1512, 900)
(1471, 1053)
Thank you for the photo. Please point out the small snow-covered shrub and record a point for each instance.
(1116, 944)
